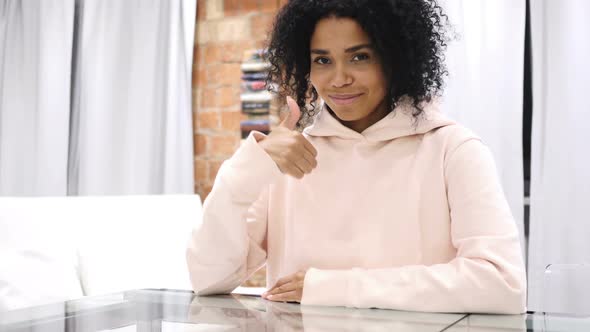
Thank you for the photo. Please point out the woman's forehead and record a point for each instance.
(338, 35)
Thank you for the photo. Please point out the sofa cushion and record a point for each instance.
(59, 248)
(31, 278)
(131, 242)
(37, 253)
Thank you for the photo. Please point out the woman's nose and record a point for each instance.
(341, 78)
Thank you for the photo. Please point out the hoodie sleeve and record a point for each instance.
(230, 244)
(487, 275)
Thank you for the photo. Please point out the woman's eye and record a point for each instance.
(322, 61)
(360, 57)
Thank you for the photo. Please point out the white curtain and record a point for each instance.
(485, 86)
(96, 97)
(35, 63)
(560, 180)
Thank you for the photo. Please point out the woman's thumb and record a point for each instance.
(291, 119)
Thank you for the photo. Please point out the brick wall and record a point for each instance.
(225, 29)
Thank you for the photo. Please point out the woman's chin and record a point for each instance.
(346, 116)
(343, 113)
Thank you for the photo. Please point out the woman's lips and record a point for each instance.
(344, 99)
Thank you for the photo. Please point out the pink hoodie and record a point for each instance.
(406, 216)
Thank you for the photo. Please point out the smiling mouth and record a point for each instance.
(344, 99)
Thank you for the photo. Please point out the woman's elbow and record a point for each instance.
(509, 297)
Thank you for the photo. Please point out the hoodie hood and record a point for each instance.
(399, 123)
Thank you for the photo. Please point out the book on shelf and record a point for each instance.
(253, 86)
(260, 96)
(249, 67)
(255, 108)
(261, 125)
(255, 76)
(255, 55)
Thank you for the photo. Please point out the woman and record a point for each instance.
(381, 201)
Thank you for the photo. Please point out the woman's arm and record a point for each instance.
(230, 245)
(487, 275)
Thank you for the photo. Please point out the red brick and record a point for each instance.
(249, 5)
(233, 52)
(230, 74)
(196, 55)
(230, 121)
(211, 76)
(212, 54)
(201, 170)
(231, 7)
(223, 146)
(199, 77)
(260, 43)
(194, 106)
(204, 191)
(195, 119)
(208, 97)
(268, 5)
(261, 25)
(200, 145)
(228, 96)
(195, 77)
(214, 166)
(222, 74)
(201, 14)
(207, 120)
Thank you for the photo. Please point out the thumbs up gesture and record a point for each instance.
(292, 152)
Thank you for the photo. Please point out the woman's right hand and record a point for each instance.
(290, 150)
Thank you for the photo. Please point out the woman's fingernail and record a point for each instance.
(270, 297)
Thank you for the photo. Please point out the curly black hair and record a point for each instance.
(410, 37)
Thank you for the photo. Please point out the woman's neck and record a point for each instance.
(361, 125)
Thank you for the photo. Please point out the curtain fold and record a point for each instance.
(132, 100)
(560, 181)
(485, 85)
(95, 97)
(35, 69)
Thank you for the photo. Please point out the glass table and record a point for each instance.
(154, 310)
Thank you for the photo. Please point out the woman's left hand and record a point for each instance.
(287, 289)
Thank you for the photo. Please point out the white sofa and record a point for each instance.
(59, 248)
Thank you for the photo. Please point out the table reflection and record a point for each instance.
(242, 313)
(171, 311)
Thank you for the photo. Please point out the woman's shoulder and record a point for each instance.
(452, 136)
(443, 129)
(455, 132)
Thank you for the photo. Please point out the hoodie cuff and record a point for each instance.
(250, 169)
(327, 288)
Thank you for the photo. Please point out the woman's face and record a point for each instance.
(347, 73)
